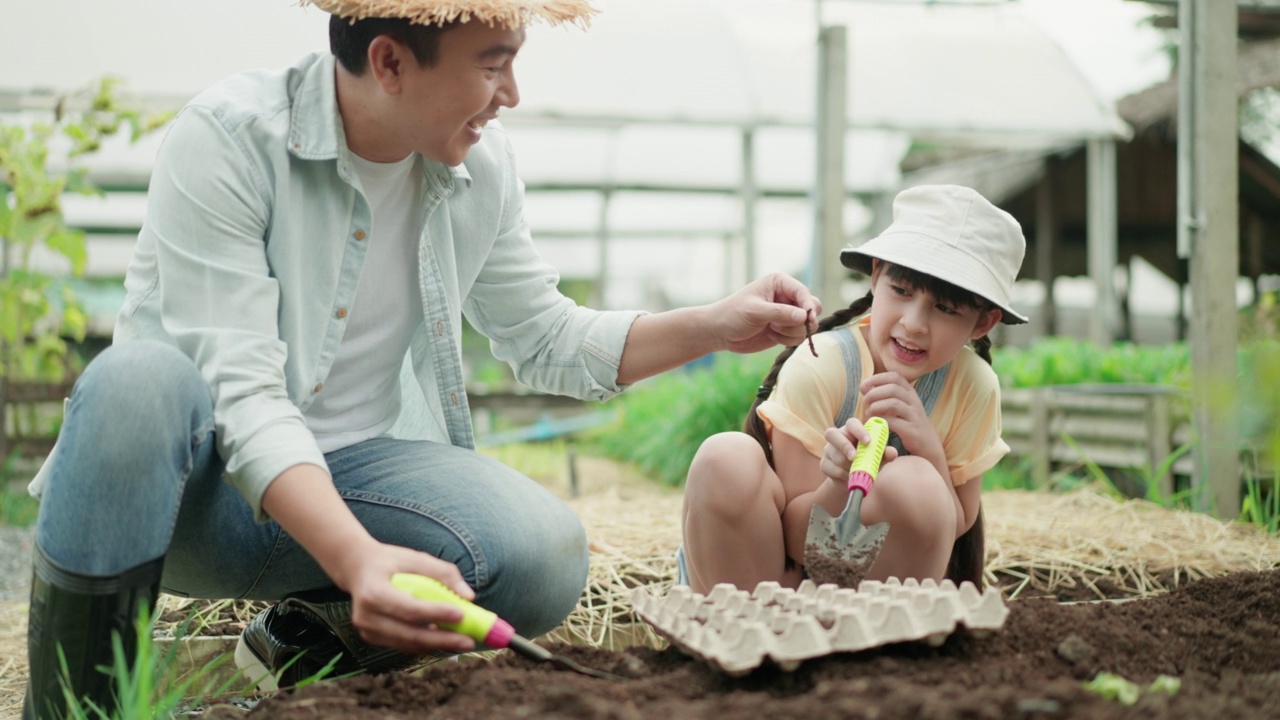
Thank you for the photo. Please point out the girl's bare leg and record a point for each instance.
(921, 511)
(732, 516)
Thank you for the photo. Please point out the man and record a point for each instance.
(292, 326)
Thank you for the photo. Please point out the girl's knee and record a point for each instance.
(727, 474)
(913, 496)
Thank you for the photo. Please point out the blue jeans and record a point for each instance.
(137, 476)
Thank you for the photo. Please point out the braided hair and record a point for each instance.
(968, 552)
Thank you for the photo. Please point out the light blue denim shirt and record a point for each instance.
(255, 235)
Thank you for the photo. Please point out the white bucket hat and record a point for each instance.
(954, 234)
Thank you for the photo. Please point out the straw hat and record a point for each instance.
(506, 13)
(954, 234)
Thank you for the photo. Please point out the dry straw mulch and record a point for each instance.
(1090, 545)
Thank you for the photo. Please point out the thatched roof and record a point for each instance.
(1258, 66)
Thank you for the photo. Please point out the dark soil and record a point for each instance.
(1221, 637)
(838, 566)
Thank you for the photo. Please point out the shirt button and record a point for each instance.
(439, 327)
(318, 388)
(453, 398)
(342, 312)
(360, 235)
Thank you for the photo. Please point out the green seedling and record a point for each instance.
(1116, 688)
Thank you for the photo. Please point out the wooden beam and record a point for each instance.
(1102, 238)
(750, 199)
(600, 293)
(1047, 248)
(827, 274)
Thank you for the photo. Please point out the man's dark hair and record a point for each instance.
(349, 41)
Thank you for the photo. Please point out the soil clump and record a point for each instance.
(1220, 636)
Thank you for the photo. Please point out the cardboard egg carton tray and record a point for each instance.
(736, 630)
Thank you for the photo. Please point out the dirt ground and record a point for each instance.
(1220, 637)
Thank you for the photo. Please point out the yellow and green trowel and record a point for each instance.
(484, 626)
(844, 540)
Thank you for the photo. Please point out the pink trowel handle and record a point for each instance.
(859, 480)
(499, 636)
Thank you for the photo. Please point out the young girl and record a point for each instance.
(941, 276)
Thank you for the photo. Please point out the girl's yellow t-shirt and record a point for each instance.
(810, 391)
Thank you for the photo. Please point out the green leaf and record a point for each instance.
(6, 213)
(75, 323)
(28, 231)
(77, 181)
(70, 244)
(1165, 684)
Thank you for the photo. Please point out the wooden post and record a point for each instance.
(1209, 234)
(600, 294)
(1159, 447)
(1046, 248)
(827, 274)
(750, 197)
(1041, 448)
(1102, 222)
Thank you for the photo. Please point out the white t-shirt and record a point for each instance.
(361, 397)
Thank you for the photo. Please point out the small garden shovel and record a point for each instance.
(486, 627)
(843, 540)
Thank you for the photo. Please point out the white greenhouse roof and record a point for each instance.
(651, 100)
(928, 69)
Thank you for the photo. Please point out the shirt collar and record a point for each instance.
(315, 131)
(315, 128)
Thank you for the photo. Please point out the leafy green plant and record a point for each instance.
(1069, 361)
(1146, 478)
(1011, 473)
(1261, 503)
(155, 684)
(17, 507)
(662, 422)
(1260, 403)
(37, 312)
(150, 686)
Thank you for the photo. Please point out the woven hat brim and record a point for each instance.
(502, 13)
(925, 254)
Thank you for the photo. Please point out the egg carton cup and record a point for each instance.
(737, 630)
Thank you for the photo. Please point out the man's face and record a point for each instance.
(447, 105)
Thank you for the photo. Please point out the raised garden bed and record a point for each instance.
(1219, 637)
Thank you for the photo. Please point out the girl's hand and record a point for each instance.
(389, 617)
(842, 447)
(890, 396)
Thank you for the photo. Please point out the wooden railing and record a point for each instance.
(41, 400)
(1132, 428)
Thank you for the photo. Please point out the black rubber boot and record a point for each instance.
(81, 614)
(297, 637)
